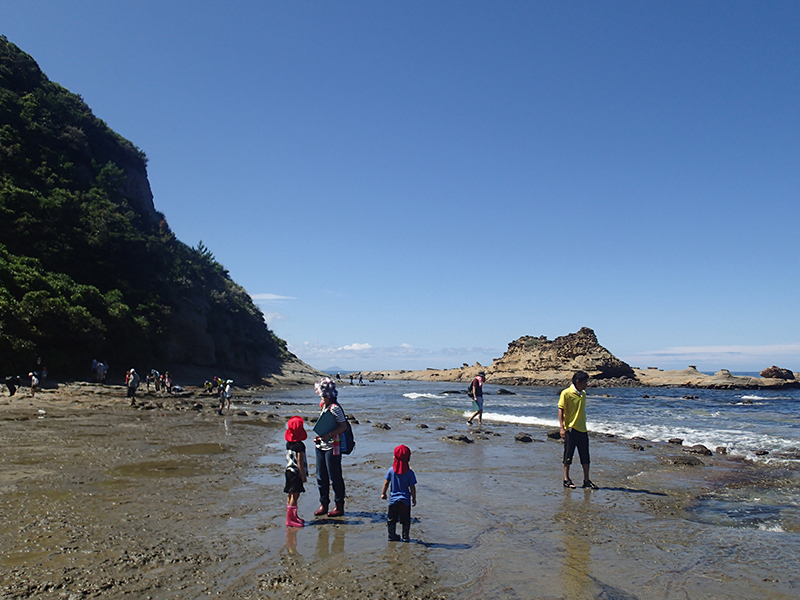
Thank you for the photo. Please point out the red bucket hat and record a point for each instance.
(401, 456)
(295, 431)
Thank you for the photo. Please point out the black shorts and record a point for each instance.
(399, 511)
(131, 392)
(294, 483)
(576, 439)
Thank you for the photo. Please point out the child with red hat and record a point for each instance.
(403, 495)
(296, 469)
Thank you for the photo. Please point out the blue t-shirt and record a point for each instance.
(400, 486)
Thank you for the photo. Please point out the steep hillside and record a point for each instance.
(88, 267)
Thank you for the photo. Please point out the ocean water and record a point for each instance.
(744, 422)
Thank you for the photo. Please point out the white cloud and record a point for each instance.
(356, 347)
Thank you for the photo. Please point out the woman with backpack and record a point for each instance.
(331, 424)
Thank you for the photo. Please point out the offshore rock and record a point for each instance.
(536, 361)
(774, 372)
(529, 358)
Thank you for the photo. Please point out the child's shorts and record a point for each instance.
(294, 483)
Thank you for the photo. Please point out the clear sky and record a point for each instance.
(416, 184)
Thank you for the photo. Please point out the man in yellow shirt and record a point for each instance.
(572, 423)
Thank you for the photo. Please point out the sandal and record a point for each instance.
(568, 484)
(589, 484)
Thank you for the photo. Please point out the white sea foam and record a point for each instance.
(414, 396)
(754, 397)
(501, 418)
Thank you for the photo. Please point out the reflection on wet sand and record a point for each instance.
(327, 544)
(576, 567)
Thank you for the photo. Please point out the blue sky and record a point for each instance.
(416, 184)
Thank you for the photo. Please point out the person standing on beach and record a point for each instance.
(296, 469)
(403, 494)
(477, 398)
(132, 382)
(34, 383)
(328, 450)
(572, 424)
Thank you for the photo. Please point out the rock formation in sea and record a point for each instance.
(533, 360)
(774, 372)
(530, 360)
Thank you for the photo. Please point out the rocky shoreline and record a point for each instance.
(538, 361)
(170, 500)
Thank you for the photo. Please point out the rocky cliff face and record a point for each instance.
(89, 268)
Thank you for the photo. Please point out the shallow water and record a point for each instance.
(496, 522)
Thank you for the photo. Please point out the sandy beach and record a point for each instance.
(171, 500)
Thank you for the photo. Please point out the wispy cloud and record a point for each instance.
(735, 357)
(269, 297)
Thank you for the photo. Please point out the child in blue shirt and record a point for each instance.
(403, 494)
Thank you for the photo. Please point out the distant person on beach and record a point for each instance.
(360, 379)
(401, 483)
(225, 395)
(296, 469)
(168, 382)
(351, 379)
(477, 398)
(155, 377)
(39, 369)
(328, 449)
(572, 424)
(100, 372)
(132, 383)
(34, 383)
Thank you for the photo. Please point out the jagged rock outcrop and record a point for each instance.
(530, 359)
(774, 372)
(535, 361)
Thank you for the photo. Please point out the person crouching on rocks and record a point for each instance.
(296, 469)
(329, 456)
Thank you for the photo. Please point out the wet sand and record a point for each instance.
(103, 500)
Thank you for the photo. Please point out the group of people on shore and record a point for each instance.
(37, 375)
(400, 481)
(157, 380)
(222, 388)
(330, 443)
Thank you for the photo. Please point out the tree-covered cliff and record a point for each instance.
(88, 267)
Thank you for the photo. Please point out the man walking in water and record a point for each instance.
(572, 424)
(477, 398)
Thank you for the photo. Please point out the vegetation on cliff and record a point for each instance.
(88, 267)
